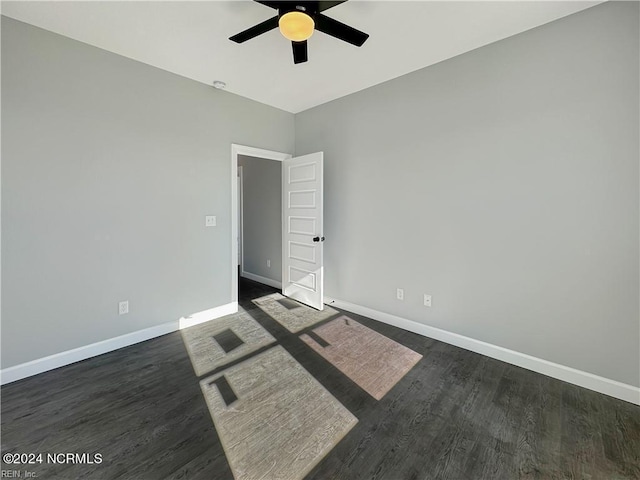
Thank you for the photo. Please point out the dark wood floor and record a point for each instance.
(455, 415)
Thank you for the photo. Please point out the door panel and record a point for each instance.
(302, 252)
(302, 236)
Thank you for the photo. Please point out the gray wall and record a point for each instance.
(109, 167)
(262, 220)
(503, 182)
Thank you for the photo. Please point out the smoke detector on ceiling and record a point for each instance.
(219, 84)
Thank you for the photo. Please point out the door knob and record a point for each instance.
(318, 239)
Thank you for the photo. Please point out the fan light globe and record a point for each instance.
(296, 26)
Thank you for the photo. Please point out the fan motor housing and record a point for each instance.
(294, 7)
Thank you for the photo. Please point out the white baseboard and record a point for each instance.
(599, 384)
(61, 359)
(206, 315)
(261, 279)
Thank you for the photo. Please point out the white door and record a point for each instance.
(302, 234)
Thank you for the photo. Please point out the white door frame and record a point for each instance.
(251, 152)
(240, 220)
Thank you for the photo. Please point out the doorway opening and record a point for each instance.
(260, 220)
(256, 249)
(301, 222)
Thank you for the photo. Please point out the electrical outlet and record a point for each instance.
(269, 263)
(400, 294)
(123, 307)
(210, 221)
(427, 300)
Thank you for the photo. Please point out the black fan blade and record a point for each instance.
(299, 51)
(339, 30)
(256, 30)
(275, 5)
(322, 5)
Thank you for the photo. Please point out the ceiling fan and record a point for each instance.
(297, 20)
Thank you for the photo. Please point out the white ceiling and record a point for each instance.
(191, 39)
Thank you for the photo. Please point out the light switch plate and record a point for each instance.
(210, 221)
(123, 307)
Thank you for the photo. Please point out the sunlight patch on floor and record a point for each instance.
(208, 344)
(278, 421)
(292, 315)
(376, 363)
